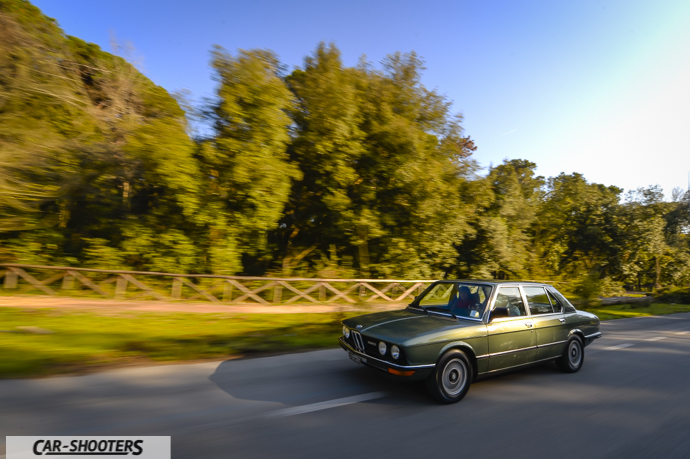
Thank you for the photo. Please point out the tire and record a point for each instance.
(451, 378)
(573, 357)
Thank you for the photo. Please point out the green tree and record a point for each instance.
(382, 159)
(577, 231)
(506, 209)
(653, 239)
(100, 146)
(246, 159)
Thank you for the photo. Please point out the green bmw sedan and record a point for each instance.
(456, 331)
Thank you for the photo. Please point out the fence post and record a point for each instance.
(227, 291)
(67, 282)
(322, 291)
(120, 287)
(10, 278)
(176, 288)
(277, 293)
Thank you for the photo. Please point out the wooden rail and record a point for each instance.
(117, 284)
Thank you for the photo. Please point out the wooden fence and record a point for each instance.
(115, 284)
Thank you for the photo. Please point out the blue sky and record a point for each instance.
(596, 87)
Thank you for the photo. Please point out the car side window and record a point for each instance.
(510, 298)
(537, 300)
(557, 306)
(567, 307)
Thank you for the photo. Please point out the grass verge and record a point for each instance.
(626, 311)
(42, 342)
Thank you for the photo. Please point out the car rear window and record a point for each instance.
(567, 307)
(557, 306)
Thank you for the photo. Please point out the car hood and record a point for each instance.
(407, 327)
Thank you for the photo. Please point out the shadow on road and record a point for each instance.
(309, 378)
(314, 377)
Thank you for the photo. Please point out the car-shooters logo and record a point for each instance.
(86, 447)
(100, 447)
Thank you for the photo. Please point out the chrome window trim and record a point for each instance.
(390, 364)
(474, 319)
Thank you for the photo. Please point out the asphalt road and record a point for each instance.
(631, 399)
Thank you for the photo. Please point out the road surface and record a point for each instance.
(631, 399)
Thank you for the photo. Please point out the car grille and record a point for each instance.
(358, 341)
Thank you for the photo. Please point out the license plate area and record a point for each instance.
(356, 358)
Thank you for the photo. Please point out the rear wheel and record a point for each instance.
(573, 357)
(451, 378)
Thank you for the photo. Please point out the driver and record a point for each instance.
(463, 301)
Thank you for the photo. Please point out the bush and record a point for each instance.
(678, 295)
(591, 287)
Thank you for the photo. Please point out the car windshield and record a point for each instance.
(461, 299)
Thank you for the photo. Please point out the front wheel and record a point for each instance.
(451, 378)
(573, 356)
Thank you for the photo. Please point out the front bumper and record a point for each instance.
(592, 337)
(403, 372)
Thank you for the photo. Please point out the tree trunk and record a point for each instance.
(363, 252)
(657, 283)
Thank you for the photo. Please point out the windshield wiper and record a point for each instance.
(440, 311)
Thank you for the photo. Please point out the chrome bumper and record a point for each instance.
(592, 337)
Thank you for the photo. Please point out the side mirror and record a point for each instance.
(498, 312)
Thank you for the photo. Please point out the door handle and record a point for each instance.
(562, 320)
(529, 324)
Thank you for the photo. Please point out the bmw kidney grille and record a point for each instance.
(359, 342)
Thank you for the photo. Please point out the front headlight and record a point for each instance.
(395, 351)
(346, 332)
(382, 348)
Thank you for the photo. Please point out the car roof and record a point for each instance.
(494, 282)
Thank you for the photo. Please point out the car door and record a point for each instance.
(512, 340)
(549, 323)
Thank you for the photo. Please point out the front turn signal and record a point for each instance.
(400, 373)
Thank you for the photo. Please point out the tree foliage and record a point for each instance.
(327, 170)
